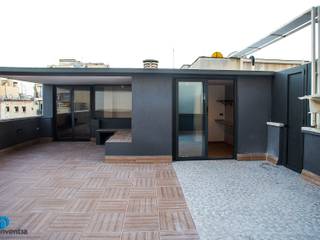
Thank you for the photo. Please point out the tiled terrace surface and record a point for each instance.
(65, 191)
(249, 200)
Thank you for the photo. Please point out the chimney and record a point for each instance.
(150, 64)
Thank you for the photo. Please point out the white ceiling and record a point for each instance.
(74, 80)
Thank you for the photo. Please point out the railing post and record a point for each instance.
(313, 61)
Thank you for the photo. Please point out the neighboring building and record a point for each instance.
(73, 63)
(14, 108)
(14, 104)
(246, 64)
(9, 89)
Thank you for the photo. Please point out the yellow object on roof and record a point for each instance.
(217, 55)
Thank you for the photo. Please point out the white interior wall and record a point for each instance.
(215, 109)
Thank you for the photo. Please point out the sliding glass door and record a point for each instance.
(191, 127)
(63, 113)
(81, 113)
(73, 113)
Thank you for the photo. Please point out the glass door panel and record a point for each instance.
(191, 117)
(64, 114)
(81, 114)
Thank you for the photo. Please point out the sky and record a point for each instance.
(37, 33)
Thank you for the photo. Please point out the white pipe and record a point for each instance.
(318, 64)
(313, 61)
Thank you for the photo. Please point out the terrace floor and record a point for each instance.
(63, 190)
(249, 200)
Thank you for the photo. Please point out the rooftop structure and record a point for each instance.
(247, 64)
(71, 187)
(73, 63)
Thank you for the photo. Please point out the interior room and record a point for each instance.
(220, 118)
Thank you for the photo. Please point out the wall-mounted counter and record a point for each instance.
(276, 143)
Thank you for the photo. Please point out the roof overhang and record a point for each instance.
(91, 76)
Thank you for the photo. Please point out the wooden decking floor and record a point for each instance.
(64, 191)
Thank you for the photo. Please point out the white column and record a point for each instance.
(318, 64)
(313, 60)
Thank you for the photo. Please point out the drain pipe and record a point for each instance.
(313, 61)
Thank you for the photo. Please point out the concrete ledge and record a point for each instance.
(310, 177)
(311, 130)
(272, 159)
(138, 159)
(275, 124)
(251, 157)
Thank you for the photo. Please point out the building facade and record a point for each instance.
(15, 104)
(247, 64)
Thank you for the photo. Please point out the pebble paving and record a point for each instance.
(252, 200)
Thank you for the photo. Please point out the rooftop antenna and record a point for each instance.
(173, 57)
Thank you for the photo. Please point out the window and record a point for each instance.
(24, 109)
(113, 102)
(7, 109)
(16, 109)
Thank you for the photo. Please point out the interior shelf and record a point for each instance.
(225, 101)
(224, 122)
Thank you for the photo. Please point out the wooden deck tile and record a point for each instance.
(101, 236)
(167, 173)
(81, 206)
(72, 195)
(37, 222)
(140, 236)
(63, 236)
(112, 206)
(47, 205)
(143, 207)
(170, 193)
(69, 183)
(116, 193)
(169, 204)
(89, 193)
(141, 223)
(21, 206)
(179, 236)
(70, 222)
(170, 181)
(144, 182)
(95, 183)
(138, 193)
(62, 193)
(178, 220)
(106, 223)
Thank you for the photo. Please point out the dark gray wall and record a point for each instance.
(18, 131)
(151, 119)
(253, 111)
(311, 157)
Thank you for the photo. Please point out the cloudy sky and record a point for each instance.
(123, 33)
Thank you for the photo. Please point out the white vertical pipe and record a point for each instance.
(313, 60)
(318, 64)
